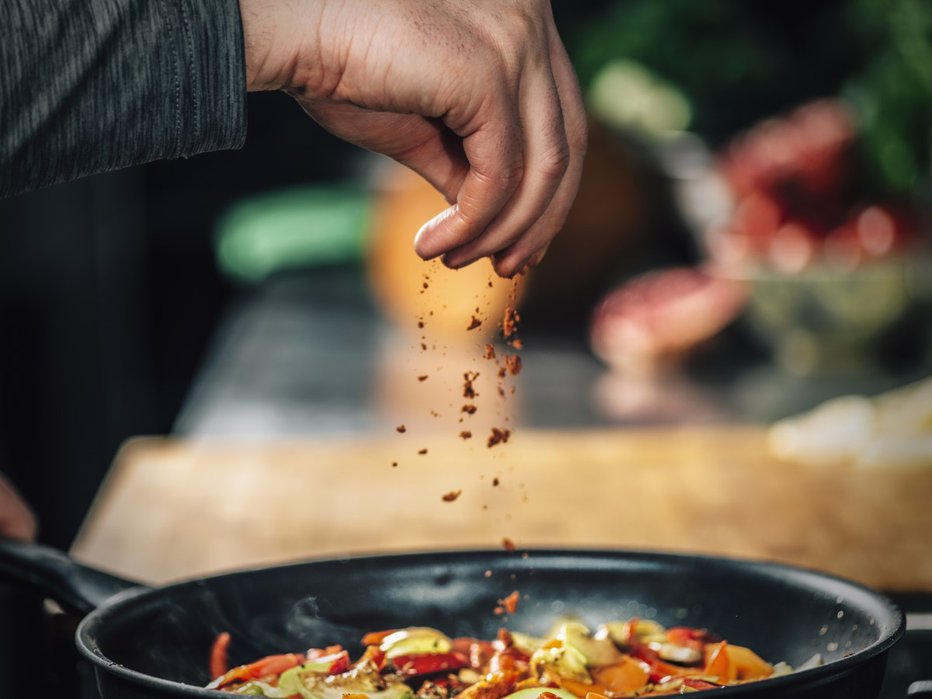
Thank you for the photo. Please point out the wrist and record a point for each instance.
(274, 43)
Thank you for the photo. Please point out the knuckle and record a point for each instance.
(504, 176)
(465, 215)
(511, 174)
(555, 161)
(519, 31)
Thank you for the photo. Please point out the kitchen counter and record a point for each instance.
(175, 508)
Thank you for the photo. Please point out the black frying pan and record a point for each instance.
(155, 642)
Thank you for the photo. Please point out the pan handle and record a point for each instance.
(54, 573)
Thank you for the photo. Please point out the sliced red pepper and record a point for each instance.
(264, 667)
(340, 664)
(219, 663)
(429, 663)
(478, 651)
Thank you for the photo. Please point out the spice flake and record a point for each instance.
(498, 436)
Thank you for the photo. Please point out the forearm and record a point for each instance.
(94, 85)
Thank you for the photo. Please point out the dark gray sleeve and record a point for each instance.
(88, 86)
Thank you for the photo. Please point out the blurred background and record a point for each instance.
(750, 239)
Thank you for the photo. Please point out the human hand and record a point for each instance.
(16, 519)
(478, 96)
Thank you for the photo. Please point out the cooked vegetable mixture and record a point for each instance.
(633, 658)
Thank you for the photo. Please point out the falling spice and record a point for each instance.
(488, 574)
(495, 482)
(489, 352)
(508, 544)
(513, 362)
(394, 464)
(469, 409)
(401, 429)
(465, 434)
(452, 495)
(501, 391)
(468, 390)
(502, 372)
(421, 452)
(510, 603)
(426, 285)
(423, 377)
(474, 323)
(510, 322)
(498, 436)
(423, 347)
(420, 324)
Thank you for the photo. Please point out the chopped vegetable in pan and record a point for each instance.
(633, 658)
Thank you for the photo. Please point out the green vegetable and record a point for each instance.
(535, 692)
(563, 662)
(415, 640)
(313, 685)
(595, 651)
(525, 642)
(645, 630)
(261, 689)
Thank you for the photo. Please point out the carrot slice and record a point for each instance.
(629, 675)
(748, 664)
(718, 663)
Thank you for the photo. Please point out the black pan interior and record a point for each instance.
(783, 613)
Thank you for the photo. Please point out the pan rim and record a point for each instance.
(87, 646)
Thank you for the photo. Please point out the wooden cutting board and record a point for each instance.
(172, 509)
